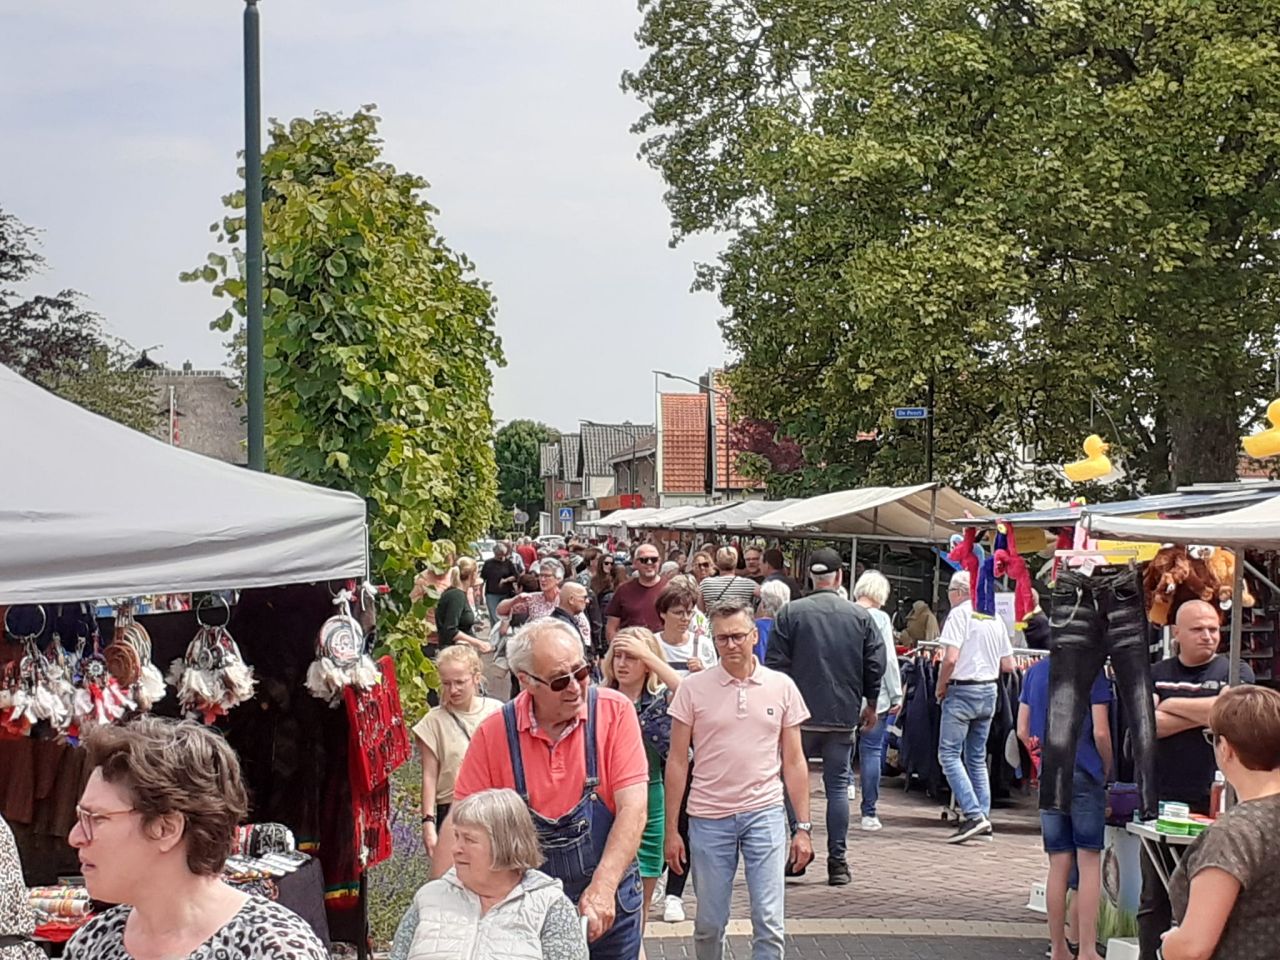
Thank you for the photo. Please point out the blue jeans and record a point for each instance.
(491, 601)
(836, 750)
(962, 746)
(714, 845)
(871, 762)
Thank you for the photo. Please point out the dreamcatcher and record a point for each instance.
(99, 698)
(340, 658)
(212, 677)
(25, 700)
(128, 659)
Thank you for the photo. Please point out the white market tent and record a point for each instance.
(619, 519)
(1257, 525)
(664, 518)
(731, 517)
(909, 514)
(91, 509)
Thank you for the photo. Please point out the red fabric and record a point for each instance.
(964, 555)
(528, 554)
(378, 741)
(1009, 563)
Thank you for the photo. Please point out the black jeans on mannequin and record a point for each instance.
(1093, 617)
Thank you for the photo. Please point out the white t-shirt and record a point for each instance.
(695, 645)
(982, 642)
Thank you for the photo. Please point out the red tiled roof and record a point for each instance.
(723, 399)
(684, 442)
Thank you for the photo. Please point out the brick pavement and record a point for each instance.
(907, 872)
(869, 947)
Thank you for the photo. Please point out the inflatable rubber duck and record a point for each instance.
(1096, 463)
(1266, 443)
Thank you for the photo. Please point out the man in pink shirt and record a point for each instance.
(743, 722)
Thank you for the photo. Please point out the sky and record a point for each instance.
(120, 122)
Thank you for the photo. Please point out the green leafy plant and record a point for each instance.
(378, 344)
(519, 483)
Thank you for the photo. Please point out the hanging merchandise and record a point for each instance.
(128, 658)
(1095, 464)
(211, 678)
(99, 697)
(340, 658)
(28, 695)
(378, 742)
(1009, 563)
(969, 556)
(1177, 574)
(1266, 443)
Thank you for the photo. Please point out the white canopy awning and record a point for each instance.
(90, 509)
(889, 513)
(664, 518)
(1257, 525)
(619, 519)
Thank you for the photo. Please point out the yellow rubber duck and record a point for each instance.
(1266, 443)
(1096, 463)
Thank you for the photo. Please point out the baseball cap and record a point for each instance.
(824, 560)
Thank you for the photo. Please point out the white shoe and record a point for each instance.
(659, 890)
(673, 910)
(872, 823)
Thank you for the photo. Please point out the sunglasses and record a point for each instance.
(559, 684)
(646, 559)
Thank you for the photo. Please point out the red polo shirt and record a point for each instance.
(555, 772)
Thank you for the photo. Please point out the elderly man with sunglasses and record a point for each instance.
(575, 755)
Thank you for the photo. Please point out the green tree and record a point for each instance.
(519, 465)
(1061, 215)
(378, 342)
(55, 342)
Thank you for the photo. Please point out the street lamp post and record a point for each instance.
(728, 438)
(255, 387)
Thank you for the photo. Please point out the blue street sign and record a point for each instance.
(910, 413)
(566, 514)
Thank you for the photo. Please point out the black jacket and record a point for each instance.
(831, 649)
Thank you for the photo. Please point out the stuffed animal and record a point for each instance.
(1177, 574)
(1166, 572)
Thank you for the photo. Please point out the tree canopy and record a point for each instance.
(378, 341)
(54, 341)
(519, 484)
(1060, 214)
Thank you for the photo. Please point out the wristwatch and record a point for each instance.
(804, 825)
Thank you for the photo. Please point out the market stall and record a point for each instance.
(97, 510)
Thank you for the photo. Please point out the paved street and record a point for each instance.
(912, 894)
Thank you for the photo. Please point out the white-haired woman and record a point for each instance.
(774, 595)
(537, 605)
(872, 592)
(493, 902)
(444, 734)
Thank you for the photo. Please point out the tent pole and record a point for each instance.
(933, 518)
(1237, 616)
(853, 559)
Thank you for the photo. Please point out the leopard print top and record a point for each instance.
(261, 930)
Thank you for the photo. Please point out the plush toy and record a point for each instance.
(1166, 572)
(1177, 574)
(1009, 563)
(969, 556)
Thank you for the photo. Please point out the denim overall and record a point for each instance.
(574, 843)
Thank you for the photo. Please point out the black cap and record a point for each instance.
(824, 560)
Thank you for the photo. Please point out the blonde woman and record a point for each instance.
(636, 668)
(444, 734)
(493, 902)
(455, 612)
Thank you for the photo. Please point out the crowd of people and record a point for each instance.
(660, 725)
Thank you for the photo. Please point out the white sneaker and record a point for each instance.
(673, 910)
(871, 823)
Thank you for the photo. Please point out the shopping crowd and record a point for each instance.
(613, 717)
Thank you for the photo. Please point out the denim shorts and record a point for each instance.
(1084, 827)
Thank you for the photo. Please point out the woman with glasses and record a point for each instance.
(635, 667)
(535, 606)
(701, 565)
(155, 825)
(444, 734)
(685, 648)
(1226, 890)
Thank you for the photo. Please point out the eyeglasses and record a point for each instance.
(1210, 737)
(646, 559)
(88, 818)
(559, 684)
(732, 639)
(703, 563)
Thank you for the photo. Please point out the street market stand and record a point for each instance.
(90, 509)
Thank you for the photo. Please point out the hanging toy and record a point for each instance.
(340, 658)
(129, 660)
(211, 678)
(1267, 442)
(1096, 463)
(100, 698)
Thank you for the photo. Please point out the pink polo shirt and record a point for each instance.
(737, 734)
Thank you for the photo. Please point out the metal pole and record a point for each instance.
(171, 424)
(657, 442)
(253, 238)
(928, 435)
(1237, 617)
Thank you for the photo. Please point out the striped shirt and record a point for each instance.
(727, 589)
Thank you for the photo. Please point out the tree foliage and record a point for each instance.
(519, 465)
(378, 341)
(1061, 213)
(54, 341)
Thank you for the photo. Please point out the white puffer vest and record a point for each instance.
(450, 924)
